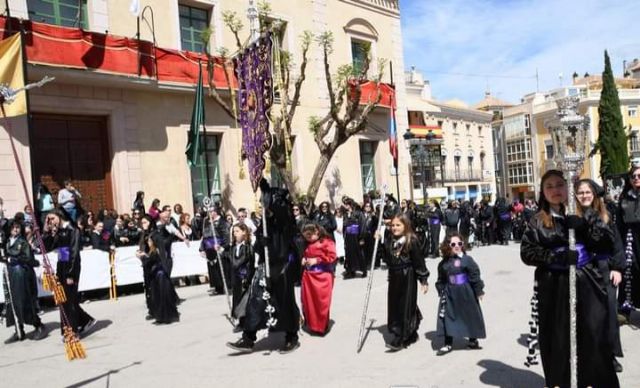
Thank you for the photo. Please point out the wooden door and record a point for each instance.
(73, 147)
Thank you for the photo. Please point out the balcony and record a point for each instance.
(465, 176)
(391, 7)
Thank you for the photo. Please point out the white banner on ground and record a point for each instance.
(95, 273)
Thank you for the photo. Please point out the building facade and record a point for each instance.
(467, 154)
(116, 118)
(530, 150)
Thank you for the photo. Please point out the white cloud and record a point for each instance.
(513, 38)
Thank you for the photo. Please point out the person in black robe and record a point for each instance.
(503, 217)
(147, 227)
(607, 248)
(628, 223)
(460, 289)
(434, 217)
(324, 218)
(406, 266)
(215, 236)
(279, 312)
(545, 246)
(61, 236)
(21, 294)
(99, 240)
(354, 232)
(370, 223)
(487, 222)
(242, 259)
(466, 213)
(164, 299)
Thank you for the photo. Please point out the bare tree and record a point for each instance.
(345, 118)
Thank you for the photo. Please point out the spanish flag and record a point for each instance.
(11, 73)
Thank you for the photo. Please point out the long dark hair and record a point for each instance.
(598, 204)
(409, 234)
(545, 206)
(313, 227)
(628, 184)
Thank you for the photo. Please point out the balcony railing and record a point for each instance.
(464, 176)
(390, 5)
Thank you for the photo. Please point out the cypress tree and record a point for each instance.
(612, 140)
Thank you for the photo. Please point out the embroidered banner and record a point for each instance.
(255, 97)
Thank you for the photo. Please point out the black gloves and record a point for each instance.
(575, 222)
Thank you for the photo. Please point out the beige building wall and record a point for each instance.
(148, 122)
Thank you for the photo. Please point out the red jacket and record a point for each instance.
(324, 250)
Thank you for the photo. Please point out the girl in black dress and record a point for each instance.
(460, 289)
(163, 296)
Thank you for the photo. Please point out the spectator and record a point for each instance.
(44, 202)
(99, 239)
(185, 226)
(133, 232)
(85, 231)
(243, 218)
(177, 212)
(138, 203)
(154, 210)
(196, 225)
(120, 235)
(68, 199)
(137, 216)
(91, 220)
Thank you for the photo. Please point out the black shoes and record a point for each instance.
(242, 345)
(413, 338)
(617, 366)
(39, 333)
(290, 346)
(88, 326)
(473, 344)
(348, 275)
(444, 350)
(395, 345)
(14, 338)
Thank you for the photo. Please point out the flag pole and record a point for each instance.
(393, 107)
(204, 132)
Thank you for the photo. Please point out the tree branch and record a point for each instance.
(306, 42)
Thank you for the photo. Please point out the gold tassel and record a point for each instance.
(50, 283)
(287, 151)
(72, 345)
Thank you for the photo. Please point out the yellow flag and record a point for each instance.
(11, 73)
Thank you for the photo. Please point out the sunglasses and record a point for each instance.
(459, 243)
(635, 176)
(296, 210)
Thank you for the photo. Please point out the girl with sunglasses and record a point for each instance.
(460, 289)
(405, 261)
(545, 246)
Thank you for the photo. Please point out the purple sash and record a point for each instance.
(64, 253)
(211, 242)
(242, 272)
(322, 267)
(434, 221)
(584, 257)
(458, 279)
(601, 256)
(353, 229)
(505, 216)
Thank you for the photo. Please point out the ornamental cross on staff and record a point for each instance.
(569, 134)
(9, 95)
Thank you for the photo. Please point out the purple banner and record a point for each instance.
(255, 97)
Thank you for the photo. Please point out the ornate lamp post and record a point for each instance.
(569, 134)
(426, 152)
(254, 24)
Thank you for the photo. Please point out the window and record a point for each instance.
(633, 142)
(548, 148)
(518, 150)
(199, 173)
(440, 124)
(456, 166)
(193, 22)
(68, 13)
(521, 173)
(468, 128)
(479, 130)
(359, 51)
(455, 127)
(482, 162)
(470, 159)
(367, 165)
(632, 110)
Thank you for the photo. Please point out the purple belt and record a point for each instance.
(601, 256)
(322, 267)
(505, 216)
(459, 279)
(434, 221)
(211, 242)
(64, 253)
(242, 272)
(584, 257)
(353, 229)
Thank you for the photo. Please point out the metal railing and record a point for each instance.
(464, 175)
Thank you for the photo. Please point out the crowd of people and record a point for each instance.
(304, 245)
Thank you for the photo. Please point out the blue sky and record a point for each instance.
(502, 42)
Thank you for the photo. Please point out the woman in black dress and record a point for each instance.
(406, 265)
(545, 246)
(21, 292)
(163, 295)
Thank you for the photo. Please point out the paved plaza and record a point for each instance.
(124, 350)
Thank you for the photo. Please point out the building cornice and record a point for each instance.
(385, 7)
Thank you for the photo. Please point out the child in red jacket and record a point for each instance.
(317, 278)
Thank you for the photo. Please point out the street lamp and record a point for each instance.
(569, 134)
(426, 152)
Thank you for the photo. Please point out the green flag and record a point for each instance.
(197, 120)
